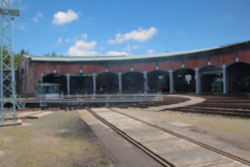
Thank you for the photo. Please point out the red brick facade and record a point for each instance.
(215, 57)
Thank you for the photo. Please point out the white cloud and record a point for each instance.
(76, 38)
(115, 53)
(84, 36)
(150, 51)
(69, 40)
(59, 41)
(129, 48)
(20, 26)
(62, 17)
(134, 47)
(140, 35)
(37, 17)
(82, 48)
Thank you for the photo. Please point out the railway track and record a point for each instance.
(229, 106)
(163, 161)
(153, 155)
(213, 111)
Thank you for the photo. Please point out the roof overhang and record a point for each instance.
(128, 57)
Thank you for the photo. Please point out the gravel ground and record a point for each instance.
(58, 140)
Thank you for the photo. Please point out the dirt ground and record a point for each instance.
(234, 131)
(64, 140)
(58, 140)
(167, 100)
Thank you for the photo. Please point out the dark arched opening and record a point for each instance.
(238, 75)
(133, 82)
(184, 80)
(59, 79)
(81, 83)
(158, 81)
(107, 82)
(211, 79)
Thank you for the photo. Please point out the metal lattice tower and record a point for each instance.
(7, 74)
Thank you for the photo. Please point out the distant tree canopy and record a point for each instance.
(17, 57)
(53, 54)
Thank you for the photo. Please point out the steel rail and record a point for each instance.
(236, 158)
(203, 111)
(153, 155)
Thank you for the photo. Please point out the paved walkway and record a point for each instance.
(193, 100)
(178, 151)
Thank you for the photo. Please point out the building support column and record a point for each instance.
(120, 82)
(42, 75)
(224, 79)
(68, 83)
(145, 82)
(171, 82)
(197, 81)
(94, 83)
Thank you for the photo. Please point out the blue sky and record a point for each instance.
(132, 27)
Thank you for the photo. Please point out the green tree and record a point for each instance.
(53, 54)
(17, 57)
(46, 55)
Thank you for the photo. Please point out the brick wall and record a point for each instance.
(35, 69)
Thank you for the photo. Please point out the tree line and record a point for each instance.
(17, 56)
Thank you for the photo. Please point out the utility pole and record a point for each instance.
(7, 74)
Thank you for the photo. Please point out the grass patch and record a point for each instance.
(1, 144)
(103, 162)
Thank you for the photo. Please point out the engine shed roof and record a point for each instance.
(131, 57)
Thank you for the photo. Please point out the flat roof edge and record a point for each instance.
(128, 57)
